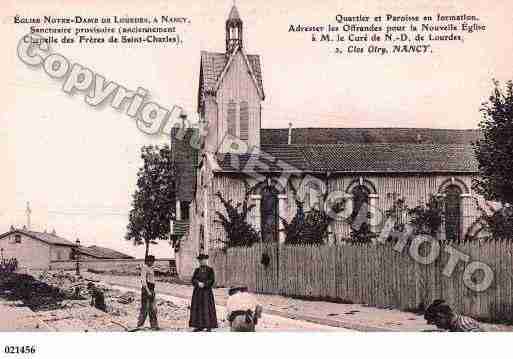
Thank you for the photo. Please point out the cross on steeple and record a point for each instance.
(28, 212)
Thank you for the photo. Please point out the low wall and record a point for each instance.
(121, 265)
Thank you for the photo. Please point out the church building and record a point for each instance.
(374, 166)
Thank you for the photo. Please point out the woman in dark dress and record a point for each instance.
(203, 307)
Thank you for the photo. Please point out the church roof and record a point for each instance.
(212, 66)
(394, 158)
(388, 150)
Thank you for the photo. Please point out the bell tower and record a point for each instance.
(233, 31)
(230, 92)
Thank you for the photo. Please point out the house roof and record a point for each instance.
(212, 67)
(48, 238)
(103, 253)
(355, 158)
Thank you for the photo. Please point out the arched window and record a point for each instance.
(244, 121)
(360, 203)
(269, 214)
(232, 113)
(453, 212)
(313, 196)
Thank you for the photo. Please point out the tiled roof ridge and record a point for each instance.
(373, 128)
(372, 144)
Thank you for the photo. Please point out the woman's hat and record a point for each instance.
(202, 256)
(236, 288)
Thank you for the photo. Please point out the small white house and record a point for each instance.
(34, 250)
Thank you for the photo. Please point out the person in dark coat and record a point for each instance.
(203, 306)
(97, 297)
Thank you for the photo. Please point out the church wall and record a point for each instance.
(231, 187)
(416, 189)
(190, 245)
(211, 117)
(238, 86)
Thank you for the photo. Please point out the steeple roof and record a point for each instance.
(212, 67)
(234, 14)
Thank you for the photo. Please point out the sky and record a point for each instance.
(77, 165)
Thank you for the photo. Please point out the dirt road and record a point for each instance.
(267, 323)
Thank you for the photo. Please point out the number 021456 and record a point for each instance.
(20, 349)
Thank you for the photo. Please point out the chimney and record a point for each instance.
(289, 141)
(53, 232)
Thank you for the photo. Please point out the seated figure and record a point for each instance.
(441, 314)
(242, 309)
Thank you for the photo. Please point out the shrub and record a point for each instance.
(310, 227)
(499, 223)
(238, 231)
(362, 234)
(427, 218)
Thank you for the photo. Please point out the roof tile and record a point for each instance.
(351, 158)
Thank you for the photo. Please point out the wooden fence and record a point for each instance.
(375, 274)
